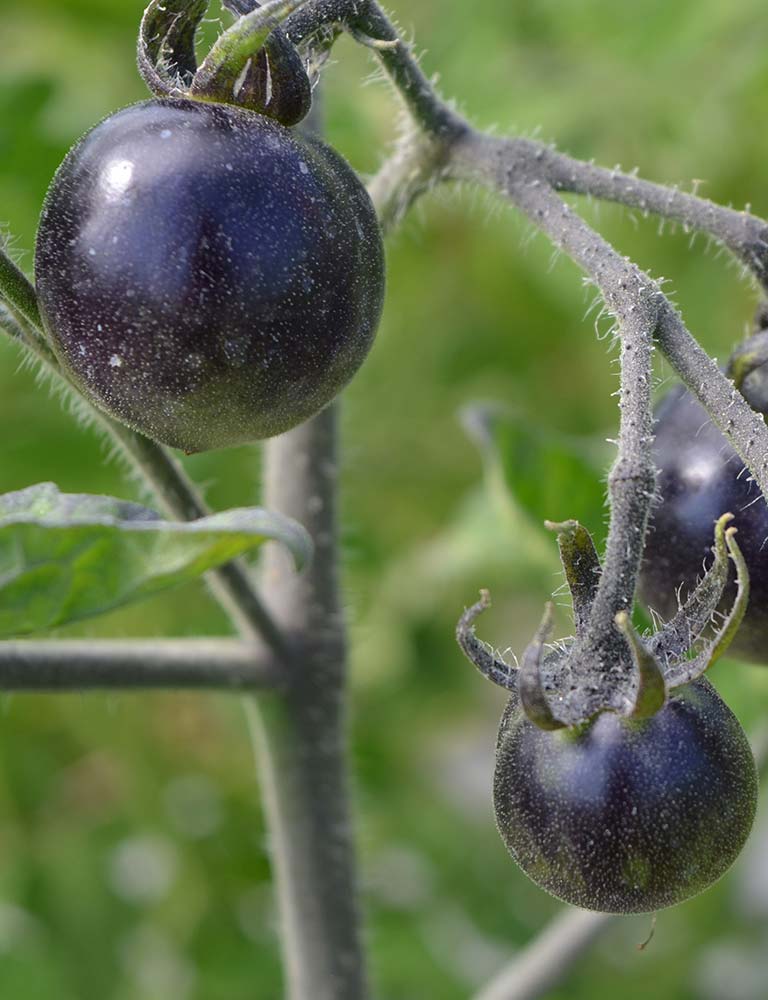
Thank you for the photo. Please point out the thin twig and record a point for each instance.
(634, 300)
(730, 412)
(118, 664)
(507, 164)
(231, 585)
(366, 17)
(18, 292)
(744, 234)
(548, 959)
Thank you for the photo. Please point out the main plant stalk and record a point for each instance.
(300, 732)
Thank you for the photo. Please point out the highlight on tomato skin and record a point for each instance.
(207, 276)
(627, 816)
(700, 477)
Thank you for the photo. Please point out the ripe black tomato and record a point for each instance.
(700, 478)
(627, 816)
(206, 275)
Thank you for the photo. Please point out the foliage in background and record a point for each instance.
(132, 863)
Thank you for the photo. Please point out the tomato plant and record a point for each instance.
(210, 273)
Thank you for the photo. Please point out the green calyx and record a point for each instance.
(252, 65)
(565, 685)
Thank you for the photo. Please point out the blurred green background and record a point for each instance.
(133, 857)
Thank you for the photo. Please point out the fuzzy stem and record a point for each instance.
(232, 584)
(415, 165)
(300, 735)
(742, 426)
(744, 234)
(365, 17)
(634, 299)
(18, 291)
(640, 306)
(514, 168)
(117, 664)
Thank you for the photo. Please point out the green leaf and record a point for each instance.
(550, 476)
(64, 557)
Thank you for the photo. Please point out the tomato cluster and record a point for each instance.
(623, 782)
(209, 276)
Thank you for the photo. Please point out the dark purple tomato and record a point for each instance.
(700, 478)
(206, 275)
(627, 816)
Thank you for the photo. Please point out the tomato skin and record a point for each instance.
(700, 478)
(627, 817)
(206, 275)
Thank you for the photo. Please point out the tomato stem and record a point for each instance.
(122, 665)
(18, 292)
(301, 733)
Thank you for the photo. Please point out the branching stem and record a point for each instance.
(232, 584)
(744, 234)
(119, 664)
(634, 300)
(641, 309)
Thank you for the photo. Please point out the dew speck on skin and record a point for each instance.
(166, 133)
(116, 361)
(303, 167)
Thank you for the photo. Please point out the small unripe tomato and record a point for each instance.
(700, 478)
(206, 275)
(623, 815)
